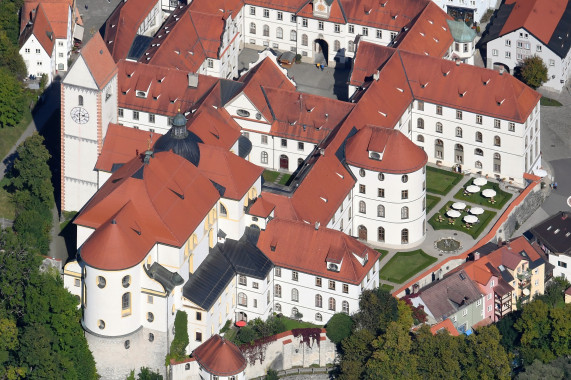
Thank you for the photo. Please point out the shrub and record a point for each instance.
(297, 58)
(272, 375)
(246, 334)
(339, 327)
(180, 341)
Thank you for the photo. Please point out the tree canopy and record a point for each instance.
(533, 71)
(339, 327)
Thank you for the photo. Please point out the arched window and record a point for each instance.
(404, 236)
(381, 234)
(458, 132)
(362, 207)
(458, 154)
(381, 177)
(304, 40)
(497, 162)
(478, 152)
(381, 211)
(331, 303)
(252, 28)
(420, 123)
(439, 142)
(278, 307)
(438, 148)
(497, 141)
(478, 136)
(223, 211)
(295, 295)
(279, 33)
(336, 45)
(439, 127)
(404, 178)
(293, 35)
(126, 302)
(420, 138)
(80, 100)
(526, 142)
(101, 282)
(404, 212)
(478, 165)
(459, 147)
(294, 312)
(318, 317)
(345, 307)
(266, 31)
(242, 299)
(362, 172)
(264, 158)
(278, 291)
(150, 317)
(299, 162)
(126, 281)
(318, 300)
(351, 46)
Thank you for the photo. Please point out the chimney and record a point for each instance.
(376, 75)
(476, 256)
(322, 152)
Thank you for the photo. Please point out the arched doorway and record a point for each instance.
(498, 66)
(321, 51)
(284, 162)
(362, 231)
(242, 316)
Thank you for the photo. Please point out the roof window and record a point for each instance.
(556, 231)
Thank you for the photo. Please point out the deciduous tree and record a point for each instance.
(533, 71)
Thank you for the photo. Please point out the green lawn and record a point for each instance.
(431, 201)
(270, 176)
(293, 324)
(386, 287)
(7, 210)
(441, 181)
(501, 197)
(545, 101)
(474, 231)
(383, 253)
(284, 179)
(9, 135)
(404, 265)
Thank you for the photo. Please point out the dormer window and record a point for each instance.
(333, 267)
(242, 113)
(141, 94)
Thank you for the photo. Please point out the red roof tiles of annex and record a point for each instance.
(29, 8)
(99, 61)
(261, 207)
(539, 17)
(429, 34)
(219, 8)
(336, 13)
(122, 26)
(58, 14)
(122, 144)
(368, 59)
(165, 197)
(214, 126)
(398, 153)
(299, 246)
(393, 15)
(469, 88)
(444, 325)
(283, 206)
(225, 168)
(304, 117)
(168, 90)
(42, 29)
(220, 357)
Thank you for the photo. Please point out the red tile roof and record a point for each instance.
(539, 17)
(167, 89)
(42, 29)
(165, 198)
(284, 207)
(262, 207)
(122, 144)
(445, 325)
(220, 357)
(299, 246)
(336, 13)
(399, 154)
(429, 33)
(99, 61)
(29, 7)
(58, 13)
(227, 169)
(122, 26)
(395, 15)
(368, 59)
(214, 126)
(221, 8)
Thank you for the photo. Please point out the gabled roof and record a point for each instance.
(261, 207)
(57, 13)
(122, 144)
(220, 8)
(98, 61)
(444, 325)
(547, 20)
(122, 26)
(30, 6)
(220, 357)
(545, 232)
(368, 59)
(398, 153)
(164, 192)
(299, 246)
(41, 29)
(393, 15)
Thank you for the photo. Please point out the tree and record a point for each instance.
(510, 336)
(555, 291)
(12, 100)
(148, 374)
(437, 354)
(272, 375)
(535, 328)
(10, 57)
(339, 327)
(539, 371)
(180, 340)
(482, 356)
(560, 338)
(533, 71)
(356, 351)
(377, 308)
(245, 335)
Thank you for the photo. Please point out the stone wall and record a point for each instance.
(282, 352)
(521, 213)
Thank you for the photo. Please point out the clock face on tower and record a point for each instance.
(79, 115)
(321, 7)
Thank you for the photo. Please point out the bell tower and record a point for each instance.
(88, 105)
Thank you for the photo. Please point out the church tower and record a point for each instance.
(89, 104)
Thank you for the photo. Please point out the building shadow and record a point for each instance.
(341, 75)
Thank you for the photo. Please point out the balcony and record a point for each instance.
(524, 275)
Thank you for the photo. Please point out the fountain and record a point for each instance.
(447, 245)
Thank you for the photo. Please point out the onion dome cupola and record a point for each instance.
(180, 141)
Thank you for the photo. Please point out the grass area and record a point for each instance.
(270, 175)
(431, 201)
(294, 324)
(458, 223)
(404, 265)
(501, 197)
(9, 136)
(285, 178)
(441, 181)
(545, 101)
(68, 216)
(383, 253)
(7, 209)
(387, 287)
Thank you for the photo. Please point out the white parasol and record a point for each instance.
(453, 213)
(473, 189)
(480, 181)
(459, 206)
(476, 210)
(470, 219)
(489, 193)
